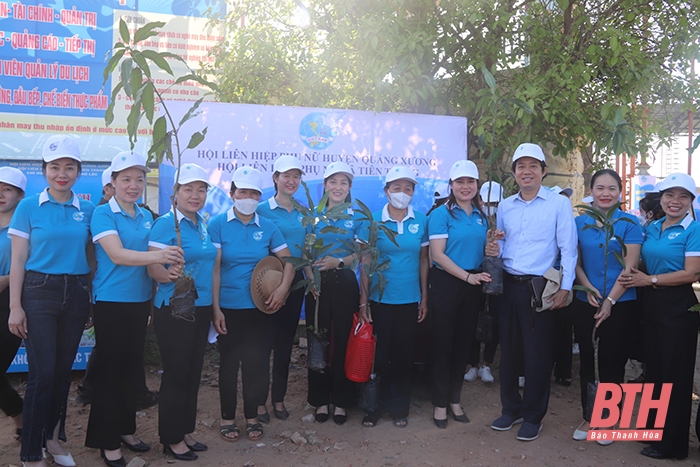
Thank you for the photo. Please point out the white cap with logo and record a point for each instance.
(248, 178)
(13, 177)
(496, 195)
(191, 173)
(679, 180)
(128, 159)
(338, 168)
(568, 191)
(60, 146)
(464, 168)
(529, 150)
(286, 163)
(400, 172)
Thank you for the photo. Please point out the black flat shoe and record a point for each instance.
(281, 414)
(321, 417)
(340, 419)
(197, 446)
(187, 456)
(653, 453)
(442, 424)
(138, 447)
(116, 463)
(264, 417)
(460, 418)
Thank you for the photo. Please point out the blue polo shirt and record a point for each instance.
(351, 228)
(200, 254)
(57, 233)
(666, 251)
(5, 251)
(289, 224)
(591, 243)
(114, 283)
(242, 247)
(465, 234)
(403, 275)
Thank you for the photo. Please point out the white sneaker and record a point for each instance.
(521, 381)
(485, 374)
(575, 349)
(470, 375)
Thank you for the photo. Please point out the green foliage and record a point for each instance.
(136, 80)
(576, 65)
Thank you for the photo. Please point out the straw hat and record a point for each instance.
(267, 276)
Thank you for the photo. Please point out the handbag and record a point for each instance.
(537, 285)
(359, 356)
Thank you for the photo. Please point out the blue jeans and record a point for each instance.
(57, 307)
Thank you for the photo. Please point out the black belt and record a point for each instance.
(519, 279)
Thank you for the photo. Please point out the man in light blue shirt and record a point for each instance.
(538, 227)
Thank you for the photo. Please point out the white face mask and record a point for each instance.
(400, 200)
(246, 206)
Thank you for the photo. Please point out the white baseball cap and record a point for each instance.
(400, 172)
(464, 168)
(338, 168)
(107, 176)
(496, 195)
(286, 163)
(679, 180)
(13, 177)
(59, 146)
(248, 178)
(656, 188)
(127, 159)
(442, 190)
(191, 173)
(568, 191)
(587, 200)
(528, 150)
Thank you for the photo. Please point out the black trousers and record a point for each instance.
(525, 336)
(454, 306)
(670, 342)
(182, 345)
(87, 385)
(120, 328)
(613, 346)
(10, 402)
(246, 346)
(395, 328)
(489, 347)
(340, 298)
(563, 327)
(284, 325)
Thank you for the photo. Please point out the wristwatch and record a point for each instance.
(654, 279)
(341, 264)
(611, 300)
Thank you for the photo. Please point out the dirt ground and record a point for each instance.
(420, 444)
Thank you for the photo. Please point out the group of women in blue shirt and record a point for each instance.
(50, 295)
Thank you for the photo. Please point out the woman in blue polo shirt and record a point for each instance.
(339, 299)
(242, 239)
(611, 308)
(671, 253)
(182, 342)
(121, 293)
(457, 232)
(49, 295)
(404, 302)
(12, 186)
(280, 210)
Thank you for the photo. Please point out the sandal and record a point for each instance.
(225, 430)
(251, 428)
(370, 420)
(401, 422)
(563, 381)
